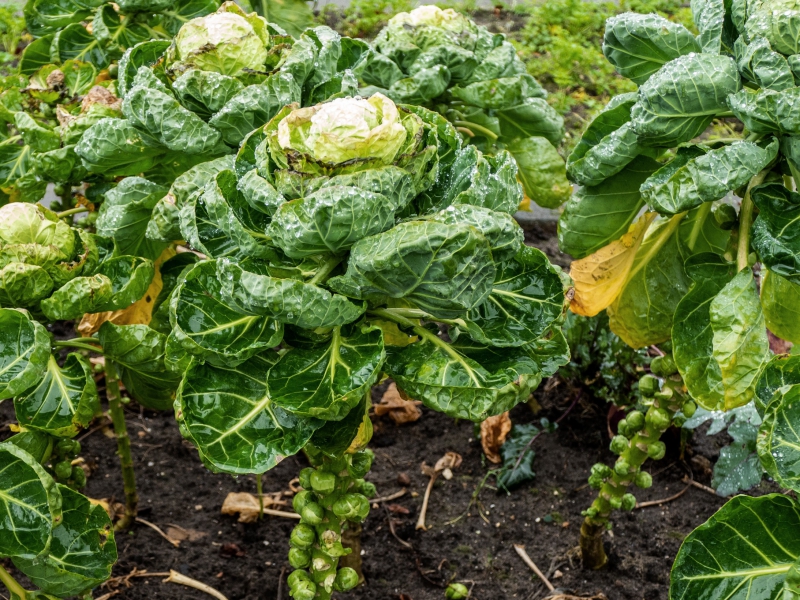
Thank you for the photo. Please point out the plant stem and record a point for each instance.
(475, 127)
(260, 492)
(351, 538)
(325, 270)
(12, 584)
(746, 221)
(697, 227)
(123, 447)
(71, 211)
(80, 343)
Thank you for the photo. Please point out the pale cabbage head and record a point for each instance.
(432, 16)
(227, 42)
(23, 223)
(345, 129)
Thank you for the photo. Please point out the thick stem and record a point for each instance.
(351, 538)
(746, 221)
(592, 551)
(12, 584)
(123, 448)
(80, 345)
(326, 269)
(475, 127)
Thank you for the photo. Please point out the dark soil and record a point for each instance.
(248, 561)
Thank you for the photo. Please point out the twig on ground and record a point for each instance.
(279, 595)
(175, 577)
(108, 595)
(520, 549)
(158, 530)
(394, 496)
(700, 486)
(663, 500)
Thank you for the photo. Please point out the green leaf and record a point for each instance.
(14, 163)
(23, 285)
(59, 13)
(532, 118)
(75, 43)
(526, 299)
(130, 277)
(513, 475)
(228, 414)
(713, 24)
(292, 15)
(205, 92)
(499, 93)
(117, 33)
(115, 147)
(30, 504)
(143, 54)
(35, 55)
(503, 233)
(780, 301)
(742, 552)
(448, 381)
(125, 214)
(327, 382)
(183, 11)
(287, 300)
(642, 313)
(24, 352)
(138, 351)
(692, 334)
(607, 146)
(460, 63)
(39, 138)
(761, 65)
(740, 338)
(422, 87)
(780, 371)
(774, 234)
(679, 101)
(63, 402)
(778, 22)
(81, 554)
(166, 120)
(208, 327)
(254, 106)
(541, 170)
(706, 177)
(335, 437)
(767, 111)
(442, 269)
(779, 440)
(737, 468)
(595, 216)
(639, 45)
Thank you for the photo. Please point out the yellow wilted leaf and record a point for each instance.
(525, 205)
(599, 278)
(138, 313)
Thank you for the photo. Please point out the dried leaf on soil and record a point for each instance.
(399, 409)
(494, 431)
(246, 506)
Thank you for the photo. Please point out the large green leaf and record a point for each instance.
(775, 234)
(740, 339)
(35, 55)
(761, 65)
(499, 93)
(679, 101)
(125, 214)
(639, 45)
(503, 233)
(292, 15)
(335, 437)
(15, 162)
(228, 414)
(30, 504)
(24, 352)
(23, 285)
(115, 147)
(82, 552)
(595, 216)
(449, 381)
(208, 327)
(777, 21)
(526, 298)
(443, 269)
(714, 24)
(692, 335)
(287, 300)
(541, 170)
(532, 118)
(138, 351)
(780, 300)
(422, 87)
(707, 177)
(607, 145)
(778, 372)
(74, 42)
(205, 92)
(767, 111)
(742, 552)
(140, 55)
(63, 402)
(327, 382)
(779, 438)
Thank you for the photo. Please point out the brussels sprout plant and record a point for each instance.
(667, 248)
(442, 60)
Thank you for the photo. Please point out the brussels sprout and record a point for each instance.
(23, 223)
(619, 444)
(354, 507)
(621, 467)
(226, 42)
(658, 418)
(628, 502)
(365, 487)
(299, 558)
(643, 480)
(346, 579)
(300, 585)
(301, 499)
(323, 482)
(361, 463)
(725, 216)
(320, 561)
(656, 450)
(312, 513)
(615, 502)
(689, 408)
(63, 470)
(456, 591)
(78, 476)
(304, 477)
(648, 385)
(303, 536)
(635, 420)
(600, 473)
(663, 366)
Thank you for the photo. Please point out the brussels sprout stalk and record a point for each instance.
(123, 447)
(638, 439)
(745, 221)
(330, 498)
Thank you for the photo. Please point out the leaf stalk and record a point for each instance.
(123, 447)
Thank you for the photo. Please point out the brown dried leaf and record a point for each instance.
(400, 410)
(180, 534)
(494, 431)
(100, 95)
(451, 460)
(245, 505)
